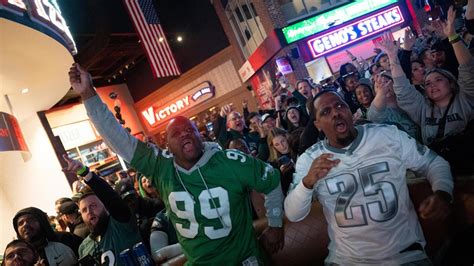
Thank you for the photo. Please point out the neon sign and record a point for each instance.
(356, 31)
(157, 115)
(46, 13)
(337, 16)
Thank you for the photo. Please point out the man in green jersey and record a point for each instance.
(205, 189)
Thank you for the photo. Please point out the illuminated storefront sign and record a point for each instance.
(157, 115)
(331, 18)
(44, 13)
(356, 31)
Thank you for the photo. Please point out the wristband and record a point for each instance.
(83, 171)
(454, 38)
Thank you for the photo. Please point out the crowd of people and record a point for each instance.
(347, 143)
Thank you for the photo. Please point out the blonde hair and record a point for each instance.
(273, 133)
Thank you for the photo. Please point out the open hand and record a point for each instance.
(448, 26)
(388, 46)
(225, 110)
(409, 40)
(437, 27)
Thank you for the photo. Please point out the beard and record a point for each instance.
(101, 225)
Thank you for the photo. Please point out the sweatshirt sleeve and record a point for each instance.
(466, 78)
(298, 201)
(112, 201)
(422, 160)
(114, 135)
(375, 115)
(409, 99)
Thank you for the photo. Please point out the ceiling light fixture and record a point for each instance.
(179, 39)
(25, 90)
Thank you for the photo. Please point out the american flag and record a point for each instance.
(152, 37)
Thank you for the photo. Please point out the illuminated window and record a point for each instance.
(246, 25)
(297, 9)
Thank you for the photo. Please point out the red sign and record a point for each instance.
(157, 115)
(11, 138)
(357, 30)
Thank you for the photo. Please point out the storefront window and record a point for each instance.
(92, 154)
(246, 25)
(297, 9)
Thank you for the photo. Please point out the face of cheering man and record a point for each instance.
(93, 214)
(235, 121)
(19, 254)
(29, 228)
(304, 88)
(334, 118)
(184, 141)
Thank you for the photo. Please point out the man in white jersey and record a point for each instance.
(358, 175)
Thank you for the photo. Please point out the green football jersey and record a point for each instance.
(208, 204)
(119, 236)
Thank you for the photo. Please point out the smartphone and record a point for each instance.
(209, 127)
(284, 160)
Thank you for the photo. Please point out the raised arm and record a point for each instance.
(460, 50)
(112, 201)
(220, 128)
(408, 98)
(114, 135)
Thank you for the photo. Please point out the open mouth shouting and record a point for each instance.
(93, 219)
(340, 126)
(187, 145)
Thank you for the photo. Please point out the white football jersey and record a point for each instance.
(365, 198)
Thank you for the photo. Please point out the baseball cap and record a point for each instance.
(124, 188)
(68, 207)
(265, 116)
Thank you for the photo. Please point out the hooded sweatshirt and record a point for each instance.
(57, 248)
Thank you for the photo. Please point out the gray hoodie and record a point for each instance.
(427, 115)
